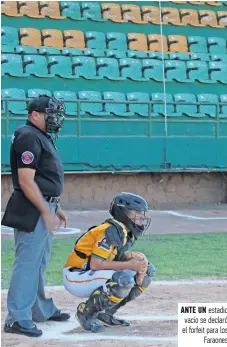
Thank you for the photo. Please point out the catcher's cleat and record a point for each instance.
(88, 322)
(111, 320)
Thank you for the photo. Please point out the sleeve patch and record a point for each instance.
(104, 244)
(27, 157)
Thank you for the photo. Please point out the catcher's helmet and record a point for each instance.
(120, 209)
(53, 109)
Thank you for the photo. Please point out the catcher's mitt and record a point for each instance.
(144, 264)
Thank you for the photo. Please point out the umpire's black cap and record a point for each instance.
(39, 104)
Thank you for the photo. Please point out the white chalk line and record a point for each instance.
(188, 216)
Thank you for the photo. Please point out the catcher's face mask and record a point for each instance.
(54, 116)
(139, 220)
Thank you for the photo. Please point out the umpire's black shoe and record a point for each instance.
(61, 317)
(28, 329)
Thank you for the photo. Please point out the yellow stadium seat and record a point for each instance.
(132, 13)
(151, 14)
(52, 38)
(30, 9)
(9, 8)
(30, 37)
(190, 17)
(213, 3)
(178, 43)
(112, 12)
(222, 18)
(196, 2)
(170, 15)
(157, 42)
(74, 39)
(208, 18)
(179, 2)
(51, 9)
(137, 42)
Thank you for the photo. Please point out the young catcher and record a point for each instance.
(102, 269)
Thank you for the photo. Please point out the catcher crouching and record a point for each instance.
(102, 268)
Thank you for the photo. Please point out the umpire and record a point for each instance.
(34, 212)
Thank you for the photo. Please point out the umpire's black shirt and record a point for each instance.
(35, 149)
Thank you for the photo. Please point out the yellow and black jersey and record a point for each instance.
(95, 243)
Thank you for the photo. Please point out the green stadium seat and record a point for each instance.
(108, 68)
(219, 57)
(198, 71)
(60, 66)
(179, 56)
(218, 71)
(175, 71)
(188, 110)
(16, 107)
(94, 109)
(67, 96)
(197, 44)
(208, 110)
(111, 53)
(95, 40)
(49, 51)
(94, 53)
(140, 109)
(200, 56)
(12, 65)
(132, 69)
(136, 54)
(7, 49)
(71, 9)
(92, 10)
(223, 108)
(36, 65)
(116, 41)
(84, 67)
(33, 93)
(72, 52)
(152, 69)
(117, 108)
(216, 45)
(158, 55)
(26, 50)
(9, 36)
(160, 109)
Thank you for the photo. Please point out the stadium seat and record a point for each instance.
(131, 13)
(214, 3)
(140, 109)
(177, 43)
(85, 67)
(223, 108)
(96, 53)
(189, 17)
(218, 71)
(9, 8)
(195, 2)
(117, 109)
(136, 54)
(219, 57)
(16, 106)
(71, 9)
(95, 40)
(200, 56)
(171, 16)
(116, 41)
(109, 68)
(113, 53)
(26, 50)
(190, 109)
(159, 109)
(52, 38)
(112, 11)
(175, 71)
(9, 36)
(208, 110)
(157, 43)
(198, 71)
(36, 65)
(179, 56)
(60, 66)
(72, 52)
(150, 14)
(95, 109)
(208, 18)
(92, 10)
(67, 96)
(152, 69)
(33, 93)
(30, 37)
(74, 39)
(159, 55)
(7, 49)
(197, 44)
(216, 45)
(222, 18)
(49, 51)
(50, 9)
(30, 9)
(12, 65)
(132, 69)
(137, 42)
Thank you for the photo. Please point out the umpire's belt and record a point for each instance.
(52, 199)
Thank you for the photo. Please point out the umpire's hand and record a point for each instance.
(61, 216)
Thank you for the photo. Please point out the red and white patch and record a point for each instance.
(104, 244)
(27, 157)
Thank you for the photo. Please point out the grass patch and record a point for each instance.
(174, 256)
